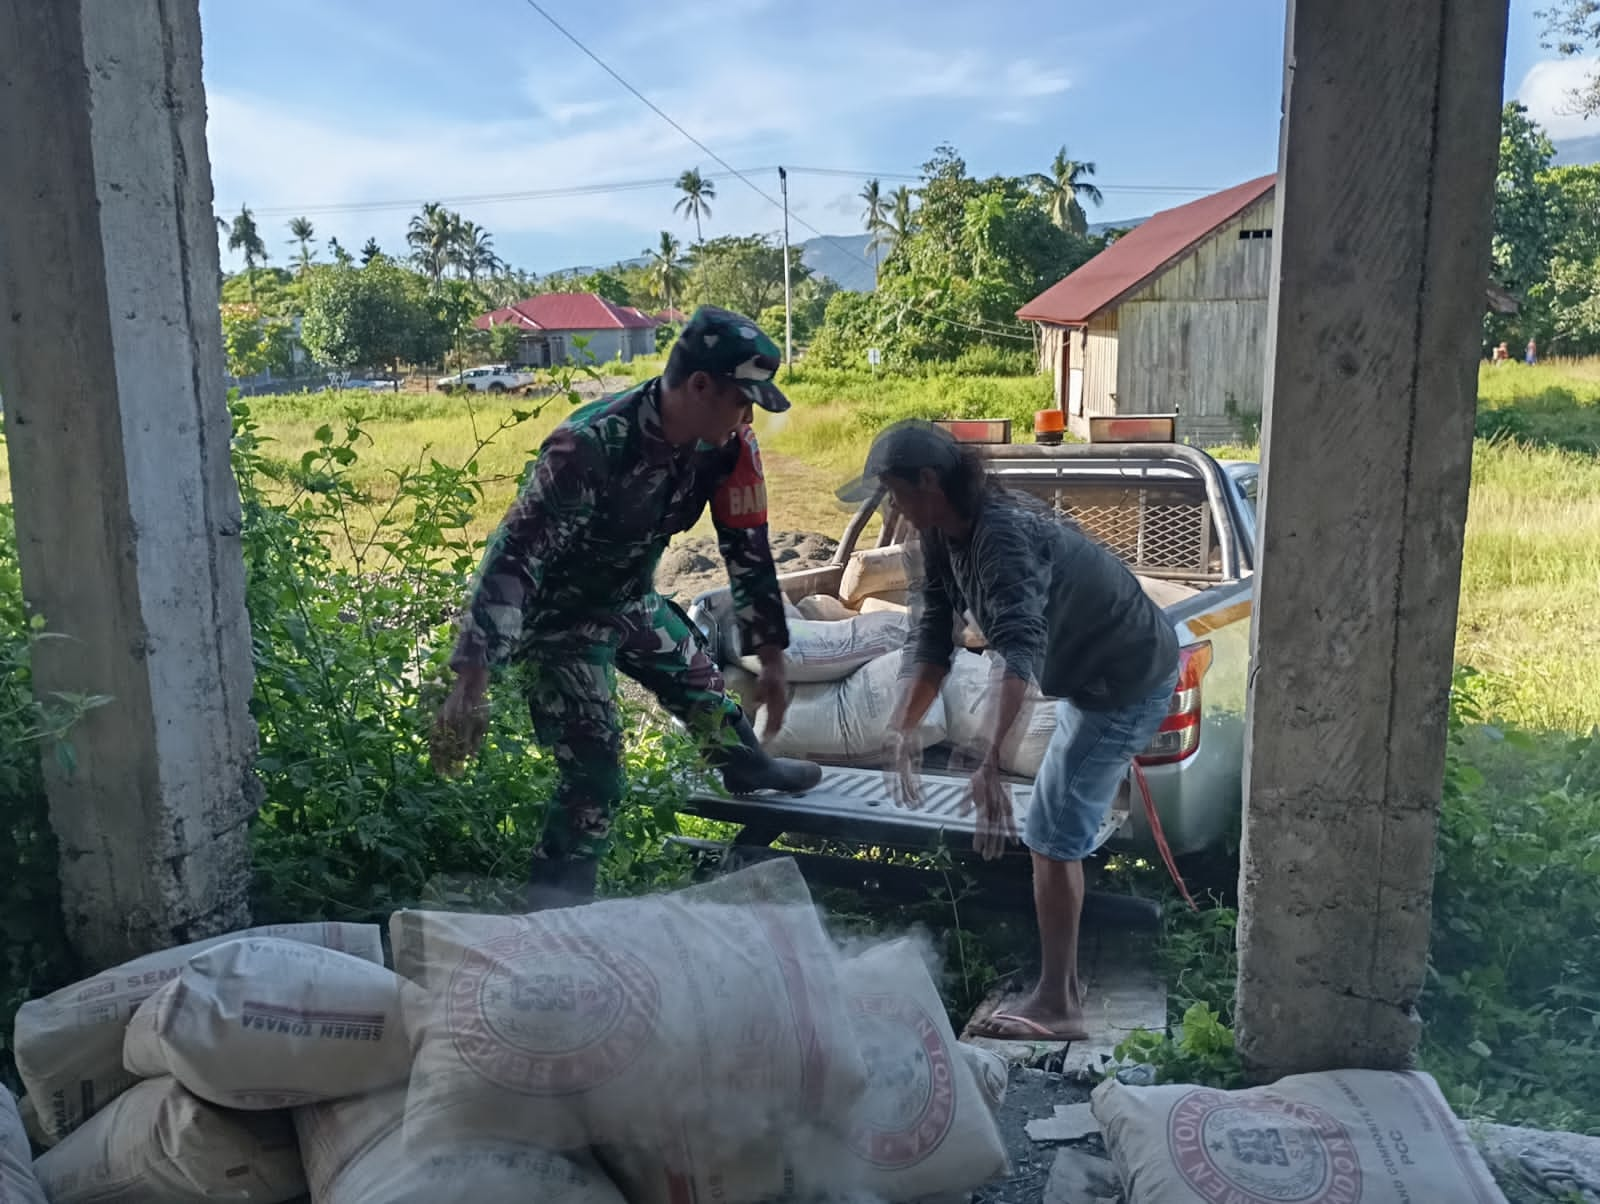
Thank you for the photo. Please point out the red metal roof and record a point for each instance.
(566, 311)
(1138, 255)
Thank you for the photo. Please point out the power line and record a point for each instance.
(748, 182)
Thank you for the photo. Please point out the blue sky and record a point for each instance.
(316, 104)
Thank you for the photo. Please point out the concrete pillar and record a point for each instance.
(1381, 251)
(127, 511)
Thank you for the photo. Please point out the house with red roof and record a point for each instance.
(1172, 317)
(551, 324)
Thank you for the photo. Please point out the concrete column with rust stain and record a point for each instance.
(116, 416)
(1381, 251)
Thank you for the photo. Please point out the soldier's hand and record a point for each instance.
(772, 689)
(461, 723)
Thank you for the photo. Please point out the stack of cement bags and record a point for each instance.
(1378, 1137)
(712, 1044)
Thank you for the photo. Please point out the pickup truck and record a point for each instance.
(486, 378)
(1185, 526)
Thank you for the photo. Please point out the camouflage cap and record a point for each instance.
(723, 343)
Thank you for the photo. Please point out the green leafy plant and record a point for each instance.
(34, 956)
(1200, 1051)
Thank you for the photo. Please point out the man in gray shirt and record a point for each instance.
(1063, 614)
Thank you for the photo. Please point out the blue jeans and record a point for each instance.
(1084, 766)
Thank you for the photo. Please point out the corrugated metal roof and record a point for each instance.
(1138, 255)
(566, 311)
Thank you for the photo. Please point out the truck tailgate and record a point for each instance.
(854, 805)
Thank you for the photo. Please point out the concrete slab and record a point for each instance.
(1125, 993)
(1071, 1122)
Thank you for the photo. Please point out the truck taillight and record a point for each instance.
(1179, 736)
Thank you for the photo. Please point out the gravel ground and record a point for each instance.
(692, 566)
(1031, 1095)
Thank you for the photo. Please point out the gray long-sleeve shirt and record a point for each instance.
(1061, 610)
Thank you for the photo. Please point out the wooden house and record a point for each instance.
(1172, 317)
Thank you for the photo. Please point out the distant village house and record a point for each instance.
(1172, 317)
(550, 322)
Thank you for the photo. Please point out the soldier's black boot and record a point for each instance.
(747, 768)
(556, 882)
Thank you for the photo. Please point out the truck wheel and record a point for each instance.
(497, 387)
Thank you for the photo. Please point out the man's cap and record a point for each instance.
(905, 449)
(723, 343)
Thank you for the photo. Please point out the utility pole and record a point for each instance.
(788, 301)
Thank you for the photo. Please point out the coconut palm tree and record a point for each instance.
(246, 239)
(666, 268)
(877, 210)
(433, 235)
(473, 250)
(1062, 189)
(698, 192)
(302, 231)
(370, 251)
(900, 222)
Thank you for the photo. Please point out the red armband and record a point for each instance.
(741, 500)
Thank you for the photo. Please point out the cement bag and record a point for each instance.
(992, 1073)
(823, 608)
(830, 651)
(882, 606)
(158, 1144)
(1373, 1136)
(924, 1126)
(714, 1010)
(846, 722)
(884, 572)
(758, 1172)
(966, 694)
(30, 1123)
(17, 1184)
(967, 634)
(69, 1044)
(355, 1153)
(263, 1023)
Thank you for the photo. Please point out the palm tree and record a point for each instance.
(245, 238)
(473, 250)
(698, 192)
(666, 268)
(900, 224)
(1062, 188)
(433, 235)
(302, 231)
(873, 218)
(370, 251)
(340, 255)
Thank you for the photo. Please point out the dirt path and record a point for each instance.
(693, 564)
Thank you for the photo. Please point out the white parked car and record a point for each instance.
(487, 378)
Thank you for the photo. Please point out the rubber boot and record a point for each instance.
(556, 882)
(746, 767)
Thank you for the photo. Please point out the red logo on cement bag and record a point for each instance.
(1259, 1148)
(910, 1102)
(742, 499)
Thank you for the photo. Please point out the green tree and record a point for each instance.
(744, 272)
(1524, 224)
(434, 235)
(370, 251)
(473, 250)
(341, 257)
(301, 231)
(1064, 189)
(274, 291)
(898, 224)
(1568, 299)
(505, 342)
(604, 284)
(698, 193)
(875, 215)
(246, 239)
(1572, 27)
(666, 268)
(374, 316)
(254, 342)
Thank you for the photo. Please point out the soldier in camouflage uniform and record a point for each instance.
(567, 588)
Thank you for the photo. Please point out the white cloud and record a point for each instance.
(1546, 90)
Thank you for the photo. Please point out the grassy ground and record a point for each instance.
(1529, 615)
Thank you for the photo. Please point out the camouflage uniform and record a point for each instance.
(567, 585)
